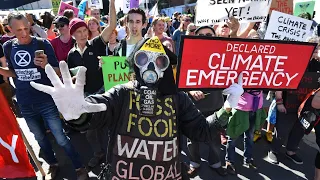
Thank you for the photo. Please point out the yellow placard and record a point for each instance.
(153, 45)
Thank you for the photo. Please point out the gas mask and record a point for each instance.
(152, 61)
(152, 65)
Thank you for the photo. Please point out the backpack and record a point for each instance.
(308, 118)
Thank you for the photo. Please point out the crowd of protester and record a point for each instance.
(82, 42)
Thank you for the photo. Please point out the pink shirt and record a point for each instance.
(246, 100)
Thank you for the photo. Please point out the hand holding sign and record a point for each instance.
(197, 95)
(233, 93)
(234, 25)
(68, 97)
(281, 108)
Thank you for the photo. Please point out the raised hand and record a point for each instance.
(68, 97)
(234, 25)
(233, 93)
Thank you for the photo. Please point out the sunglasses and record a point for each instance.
(60, 25)
(187, 20)
(208, 34)
(192, 30)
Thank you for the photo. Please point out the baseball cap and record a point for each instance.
(61, 19)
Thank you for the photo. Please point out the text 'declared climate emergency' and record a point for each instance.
(265, 65)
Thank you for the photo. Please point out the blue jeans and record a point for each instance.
(248, 142)
(38, 114)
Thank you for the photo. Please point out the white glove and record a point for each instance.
(233, 93)
(68, 97)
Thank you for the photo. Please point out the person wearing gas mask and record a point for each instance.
(146, 116)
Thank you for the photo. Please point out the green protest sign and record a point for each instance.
(115, 71)
(55, 6)
(301, 7)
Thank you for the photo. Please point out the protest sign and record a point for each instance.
(287, 27)
(301, 7)
(115, 71)
(14, 161)
(126, 6)
(317, 15)
(82, 8)
(214, 11)
(285, 6)
(64, 6)
(134, 4)
(218, 62)
(55, 6)
(309, 82)
(97, 4)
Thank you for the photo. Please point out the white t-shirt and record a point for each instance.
(130, 48)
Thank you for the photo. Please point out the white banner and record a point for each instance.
(210, 12)
(126, 6)
(96, 4)
(287, 27)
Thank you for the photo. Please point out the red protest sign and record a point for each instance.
(285, 6)
(14, 161)
(211, 62)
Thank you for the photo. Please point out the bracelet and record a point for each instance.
(279, 100)
(280, 103)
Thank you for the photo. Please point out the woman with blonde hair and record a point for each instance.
(94, 27)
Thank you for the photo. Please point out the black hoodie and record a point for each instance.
(166, 85)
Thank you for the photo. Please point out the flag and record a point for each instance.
(14, 160)
(154, 11)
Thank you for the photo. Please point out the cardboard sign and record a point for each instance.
(285, 6)
(55, 6)
(309, 82)
(82, 8)
(126, 6)
(115, 71)
(304, 7)
(221, 10)
(211, 62)
(97, 4)
(148, 102)
(287, 27)
(134, 4)
(64, 6)
(14, 160)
